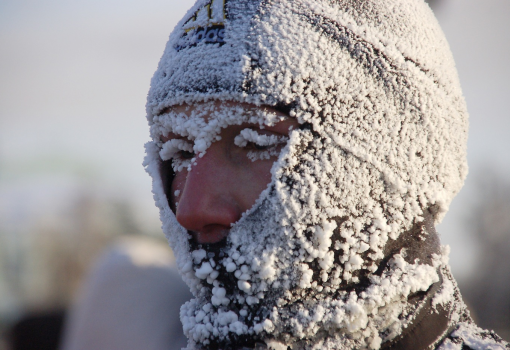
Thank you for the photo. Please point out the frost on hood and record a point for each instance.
(382, 138)
(470, 336)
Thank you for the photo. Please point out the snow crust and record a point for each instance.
(382, 138)
(470, 336)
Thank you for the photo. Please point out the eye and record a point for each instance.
(259, 144)
(186, 154)
(257, 147)
(179, 151)
(176, 148)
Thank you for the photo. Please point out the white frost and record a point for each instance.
(204, 270)
(382, 135)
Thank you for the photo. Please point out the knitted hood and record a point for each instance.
(381, 143)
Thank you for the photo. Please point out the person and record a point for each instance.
(302, 152)
(130, 301)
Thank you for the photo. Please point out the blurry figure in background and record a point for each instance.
(130, 301)
(302, 152)
(54, 234)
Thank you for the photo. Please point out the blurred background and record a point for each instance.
(73, 80)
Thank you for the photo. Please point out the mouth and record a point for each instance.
(211, 234)
(216, 248)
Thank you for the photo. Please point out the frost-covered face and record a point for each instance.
(212, 194)
(305, 260)
(318, 254)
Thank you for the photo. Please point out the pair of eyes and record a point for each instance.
(250, 146)
(253, 141)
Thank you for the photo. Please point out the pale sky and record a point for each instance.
(74, 78)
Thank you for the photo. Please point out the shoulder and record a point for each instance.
(468, 336)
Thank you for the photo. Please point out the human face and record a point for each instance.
(212, 194)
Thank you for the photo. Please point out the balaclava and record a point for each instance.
(339, 252)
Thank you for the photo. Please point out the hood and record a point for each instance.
(323, 259)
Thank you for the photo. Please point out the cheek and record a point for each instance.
(260, 177)
(263, 171)
(178, 184)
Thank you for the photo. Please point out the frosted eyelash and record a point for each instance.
(263, 154)
(250, 135)
(171, 148)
